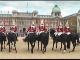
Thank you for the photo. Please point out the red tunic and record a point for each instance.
(58, 29)
(3, 29)
(42, 29)
(66, 30)
(32, 29)
(13, 29)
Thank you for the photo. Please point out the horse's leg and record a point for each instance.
(38, 45)
(53, 44)
(61, 46)
(41, 46)
(4, 44)
(28, 46)
(74, 44)
(64, 47)
(1, 45)
(56, 46)
(32, 46)
(34, 43)
(9, 47)
(15, 46)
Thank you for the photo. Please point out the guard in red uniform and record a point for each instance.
(13, 28)
(3, 27)
(42, 27)
(32, 28)
(67, 29)
(59, 30)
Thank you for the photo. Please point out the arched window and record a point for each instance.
(55, 14)
(58, 14)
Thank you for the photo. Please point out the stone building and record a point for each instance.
(24, 19)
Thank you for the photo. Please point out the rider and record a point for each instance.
(42, 27)
(13, 28)
(3, 28)
(67, 31)
(59, 29)
(31, 29)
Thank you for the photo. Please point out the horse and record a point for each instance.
(44, 38)
(63, 38)
(52, 35)
(2, 39)
(12, 38)
(30, 38)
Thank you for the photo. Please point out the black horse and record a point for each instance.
(55, 38)
(31, 38)
(44, 38)
(12, 39)
(2, 39)
(63, 38)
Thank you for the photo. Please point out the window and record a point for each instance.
(58, 14)
(34, 14)
(55, 14)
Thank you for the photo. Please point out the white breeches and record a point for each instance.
(79, 39)
(55, 33)
(68, 33)
(41, 32)
(59, 33)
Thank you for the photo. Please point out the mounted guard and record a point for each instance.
(59, 29)
(13, 28)
(32, 28)
(67, 29)
(42, 27)
(3, 29)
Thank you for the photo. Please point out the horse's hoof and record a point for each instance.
(63, 52)
(9, 51)
(16, 51)
(52, 49)
(60, 48)
(43, 52)
(2, 47)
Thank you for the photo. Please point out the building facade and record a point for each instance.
(24, 19)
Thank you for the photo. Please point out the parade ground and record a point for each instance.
(23, 53)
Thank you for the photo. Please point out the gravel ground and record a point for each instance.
(23, 53)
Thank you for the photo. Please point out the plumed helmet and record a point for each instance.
(32, 22)
(42, 22)
(67, 25)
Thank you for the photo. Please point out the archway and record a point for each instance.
(24, 29)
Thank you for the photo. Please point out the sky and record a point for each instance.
(43, 7)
